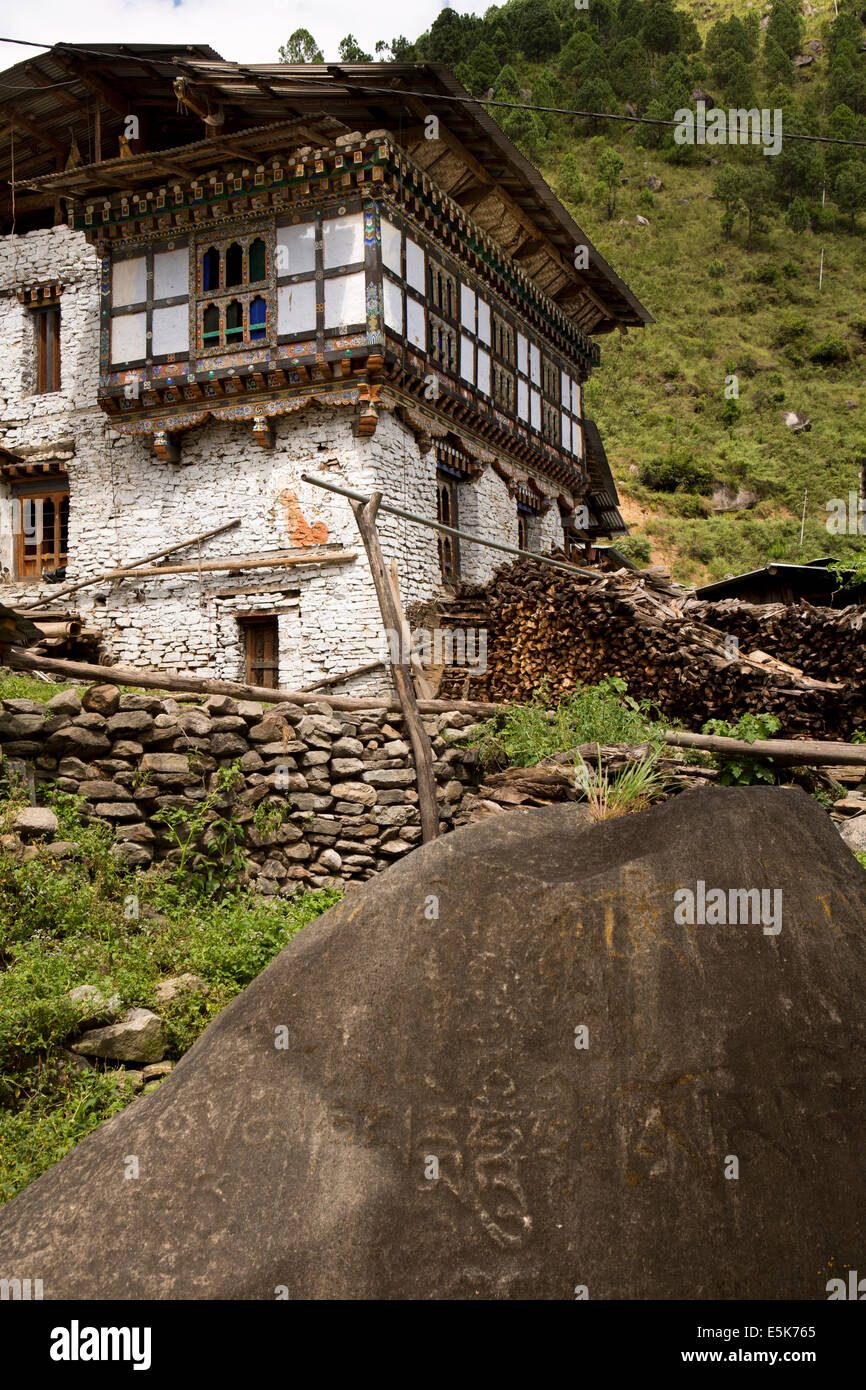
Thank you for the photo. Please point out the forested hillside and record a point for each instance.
(753, 266)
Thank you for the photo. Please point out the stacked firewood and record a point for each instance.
(547, 626)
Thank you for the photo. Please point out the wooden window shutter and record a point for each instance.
(261, 633)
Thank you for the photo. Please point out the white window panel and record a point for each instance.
(393, 296)
(576, 439)
(416, 323)
(565, 389)
(483, 371)
(128, 337)
(534, 365)
(296, 249)
(467, 358)
(129, 282)
(170, 273)
(343, 240)
(170, 329)
(484, 322)
(296, 308)
(566, 430)
(344, 300)
(522, 354)
(535, 410)
(522, 400)
(415, 273)
(467, 308)
(576, 401)
(391, 246)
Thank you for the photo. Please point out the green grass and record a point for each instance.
(29, 688)
(604, 713)
(701, 335)
(70, 923)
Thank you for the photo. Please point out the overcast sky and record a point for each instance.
(250, 31)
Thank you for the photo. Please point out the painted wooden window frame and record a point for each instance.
(28, 567)
(368, 266)
(505, 325)
(448, 481)
(243, 234)
(145, 251)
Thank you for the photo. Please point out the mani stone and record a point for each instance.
(34, 822)
(507, 1068)
(138, 1037)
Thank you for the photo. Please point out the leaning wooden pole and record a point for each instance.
(401, 671)
(132, 568)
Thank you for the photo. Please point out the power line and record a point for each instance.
(328, 78)
(568, 111)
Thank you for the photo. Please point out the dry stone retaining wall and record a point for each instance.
(345, 783)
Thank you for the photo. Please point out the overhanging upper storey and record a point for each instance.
(340, 274)
(427, 113)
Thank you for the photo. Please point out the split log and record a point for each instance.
(793, 752)
(265, 561)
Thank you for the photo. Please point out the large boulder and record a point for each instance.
(510, 1067)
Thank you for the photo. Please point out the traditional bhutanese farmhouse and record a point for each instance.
(216, 279)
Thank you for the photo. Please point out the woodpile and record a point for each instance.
(61, 633)
(693, 660)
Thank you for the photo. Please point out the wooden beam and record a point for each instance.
(40, 134)
(24, 660)
(246, 562)
(40, 79)
(119, 104)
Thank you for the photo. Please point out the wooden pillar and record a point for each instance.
(365, 516)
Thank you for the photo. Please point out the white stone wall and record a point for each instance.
(486, 509)
(550, 531)
(27, 419)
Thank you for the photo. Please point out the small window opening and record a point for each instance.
(258, 317)
(211, 324)
(234, 321)
(210, 269)
(234, 265)
(257, 261)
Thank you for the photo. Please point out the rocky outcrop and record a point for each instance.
(511, 1068)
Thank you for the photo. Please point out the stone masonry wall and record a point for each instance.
(343, 784)
(126, 503)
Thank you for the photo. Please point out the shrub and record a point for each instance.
(636, 548)
(677, 473)
(603, 713)
(830, 353)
